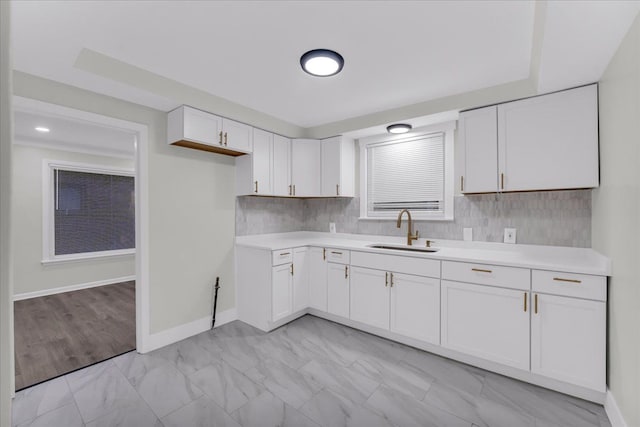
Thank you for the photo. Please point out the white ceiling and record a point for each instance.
(72, 135)
(396, 52)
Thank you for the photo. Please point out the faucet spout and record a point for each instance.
(410, 237)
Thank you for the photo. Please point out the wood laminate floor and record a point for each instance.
(57, 334)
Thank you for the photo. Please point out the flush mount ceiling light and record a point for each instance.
(399, 128)
(322, 62)
(42, 129)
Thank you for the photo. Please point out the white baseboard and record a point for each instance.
(613, 411)
(170, 336)
(53, 291)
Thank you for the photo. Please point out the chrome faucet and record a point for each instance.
(410, 237)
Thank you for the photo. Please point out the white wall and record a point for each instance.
(6, 291)
(191, 209)
(29, 274)
(616, 218)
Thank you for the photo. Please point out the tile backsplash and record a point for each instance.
(557, 218)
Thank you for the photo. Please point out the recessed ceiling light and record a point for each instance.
(399, 128)
(322, 62)
(42, 129)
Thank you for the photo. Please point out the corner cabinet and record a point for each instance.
(193, 128)
(547, 142)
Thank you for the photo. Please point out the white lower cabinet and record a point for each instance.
(300, 279)
(281, 291)
(487, 322)
(370, 296)
(415, 307)
(317, 264)
(568, 340)
(338, 289)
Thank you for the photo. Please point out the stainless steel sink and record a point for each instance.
(402, 247)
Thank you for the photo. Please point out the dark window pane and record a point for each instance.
(93, 212)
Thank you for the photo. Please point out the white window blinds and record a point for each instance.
(406, 174)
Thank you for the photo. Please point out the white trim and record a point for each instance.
(62, 259)
(141, 132)
(613, 411)
(62, 289)
(178, 333)
(448, 129)
(74, 148)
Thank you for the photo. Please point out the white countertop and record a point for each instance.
(557, 258)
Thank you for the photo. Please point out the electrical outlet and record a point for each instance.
(509, 235)
(467, 234)
(332, 227)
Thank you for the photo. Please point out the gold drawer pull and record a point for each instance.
(535, 306)
(285, 253)
(560, 279)
(336, 253)
(479, 270)
(525, 302)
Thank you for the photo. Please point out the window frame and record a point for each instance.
(448, 129)
(48, 205)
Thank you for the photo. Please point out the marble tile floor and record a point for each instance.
(311, 372)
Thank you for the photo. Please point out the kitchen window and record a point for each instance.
(89, 212)
(412, 171)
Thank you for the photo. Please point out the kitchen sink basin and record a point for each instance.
(402, 247)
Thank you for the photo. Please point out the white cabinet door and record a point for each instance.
(281, 292)
(338, 289)
(236, 136)
(568, 340)
(201, 126)
(318, 278)
(478, 136)
(300, 279)
(370, 296)
(281, 166)
(261, 158)
(305, 167)
(550, 141)
(415, 307)
(331, 166)
(487, 322)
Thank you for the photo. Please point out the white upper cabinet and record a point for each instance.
(549, 142)
(305, 167)
(338, 157)
(253, 172)
(478, 135)
(281, 166)
(192, 128)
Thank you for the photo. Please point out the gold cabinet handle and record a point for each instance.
(225, 139)
(324, 254)
(461, 183)
(480, 270)
(337, 189)
(535, 303)
(285, 253)
(256, 186)
(525, 302)
(346, 271)
(560, 279)
(294, 189)
(290, 193)
(386, 279)
(391, 282)
(220, 137)
(502, 181)
(292, 269)
(336, 252)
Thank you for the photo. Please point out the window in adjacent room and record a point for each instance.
(412, 171)
(89, 211)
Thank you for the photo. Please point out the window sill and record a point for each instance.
(413, 219)
(90, 256)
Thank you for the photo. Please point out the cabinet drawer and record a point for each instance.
(396, 263)
(570, 284)
(282, 256)
(485, 274)
(337, 255)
